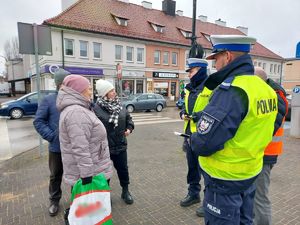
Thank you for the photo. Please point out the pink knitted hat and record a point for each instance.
(76, 82)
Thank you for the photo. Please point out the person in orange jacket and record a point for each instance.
(262, 204)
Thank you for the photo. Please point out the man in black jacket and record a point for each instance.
(46, 124)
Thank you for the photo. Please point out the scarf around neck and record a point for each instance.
(113, 106)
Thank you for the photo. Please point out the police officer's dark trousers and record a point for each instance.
(56, 173)
(193, 176)
(227, 204)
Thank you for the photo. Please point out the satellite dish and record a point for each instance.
(298, 50)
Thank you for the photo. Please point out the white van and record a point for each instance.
(5, 89)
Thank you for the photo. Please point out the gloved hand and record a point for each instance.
(86, 180)
(195, 117)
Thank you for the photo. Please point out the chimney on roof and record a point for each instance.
(179, 12)
(169, 7)
(147, 5)
(202, 18)
(220, 23)
(244, 30)
(67, 3)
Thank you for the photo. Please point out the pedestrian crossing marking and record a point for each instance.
(148, 118)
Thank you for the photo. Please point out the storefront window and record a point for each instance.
(161, 88)
(139, 86)
(173, 88)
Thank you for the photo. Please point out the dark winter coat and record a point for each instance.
(116, 135)
(46, 121)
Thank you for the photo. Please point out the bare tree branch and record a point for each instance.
(11, 49)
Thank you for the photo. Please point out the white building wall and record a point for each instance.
(273, 68)
(107, 62)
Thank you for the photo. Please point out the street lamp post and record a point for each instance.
(196, 50)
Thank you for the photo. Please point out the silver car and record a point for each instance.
(144, 102)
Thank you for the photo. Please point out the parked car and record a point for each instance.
(26, 105)
(180, 103)
(144, 102)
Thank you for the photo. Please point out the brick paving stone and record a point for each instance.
(157, 169)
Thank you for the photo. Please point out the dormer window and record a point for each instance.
(185, 33)
(122, 21)
(206, 36)
(157, 27)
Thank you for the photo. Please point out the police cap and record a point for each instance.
(195, 62)
(235, 43)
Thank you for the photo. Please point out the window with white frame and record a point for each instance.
(259, 64)
(69, 47)
(174, 58)
(166, 58)
(156, 57)
(140, 55)
(279, 68)
(129, 54)
(121, 21)
(118, 52)
(97, 50)
(83, 49)
(264, 66)
(271, 68)
(275, 68)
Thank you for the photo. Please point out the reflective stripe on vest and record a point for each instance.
(200, 103)
(276, 146)
(242, 156)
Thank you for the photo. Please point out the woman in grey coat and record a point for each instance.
(119, 125)
(82, 136)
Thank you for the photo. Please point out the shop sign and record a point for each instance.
(132, 74)
(73, 70)
(119, 71)
(165, 75)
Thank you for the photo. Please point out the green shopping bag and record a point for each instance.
(90, 203)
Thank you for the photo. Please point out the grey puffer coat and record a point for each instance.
(83, 138)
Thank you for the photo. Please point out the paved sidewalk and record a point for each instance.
(157, 170)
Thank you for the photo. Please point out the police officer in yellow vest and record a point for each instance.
(233, 131)
(196, 98)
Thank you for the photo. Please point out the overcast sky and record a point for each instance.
(275, 23)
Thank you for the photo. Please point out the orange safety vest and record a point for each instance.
(275, 147)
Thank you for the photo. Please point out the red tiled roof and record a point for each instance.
(96, 16)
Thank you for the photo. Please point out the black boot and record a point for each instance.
(66, 214)
(200, 211)
(189, 200)
(126, 196)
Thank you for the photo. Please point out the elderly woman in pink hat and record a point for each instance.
(82, 136)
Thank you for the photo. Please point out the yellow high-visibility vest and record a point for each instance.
(201, 102)
(242, 156)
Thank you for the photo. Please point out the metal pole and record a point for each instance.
(196, 50)
(120, 85)
(193, 39)
(37, 67)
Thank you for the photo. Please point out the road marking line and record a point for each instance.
(155, 122)
(154, 119)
